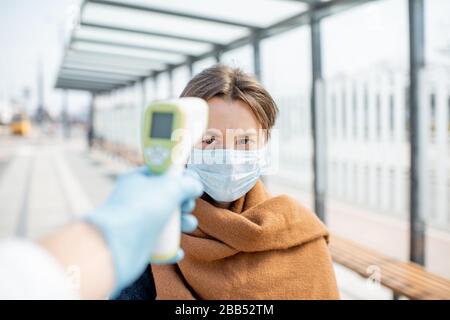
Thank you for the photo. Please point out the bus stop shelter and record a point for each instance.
(116, 44)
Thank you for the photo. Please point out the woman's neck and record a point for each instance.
(219, 204)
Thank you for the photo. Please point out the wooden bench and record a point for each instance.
(404, 279)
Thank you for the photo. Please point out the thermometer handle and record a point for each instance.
(168, 242)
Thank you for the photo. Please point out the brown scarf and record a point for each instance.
(261, 248)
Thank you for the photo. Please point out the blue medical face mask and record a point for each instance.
(227, 174)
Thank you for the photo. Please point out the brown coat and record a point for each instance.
(261, 248)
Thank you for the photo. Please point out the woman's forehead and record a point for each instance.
(251, 132)
(231, 115)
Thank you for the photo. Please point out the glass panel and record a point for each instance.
(150, 94)
(90, 57)
(203, 64)
(269, 11)
(85, 32)
(180, 78)
(163, 86)
(437, 121)
(239, 58)
(99, 48)
(152, 22)
(100, 68)
(365, 53)
(287, 76)
(106, 76)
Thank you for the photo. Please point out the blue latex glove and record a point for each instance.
(136, 212)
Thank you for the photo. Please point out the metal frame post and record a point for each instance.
(191, 70)
(170, 76)
(417, 134)
(91, 129)
(256, 57)
(65, 115)
(218, 55)
(317, 120)
(143, 93)
(155, 87)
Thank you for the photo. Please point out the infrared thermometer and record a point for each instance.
(169, 131)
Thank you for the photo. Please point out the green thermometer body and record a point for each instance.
(169, 131)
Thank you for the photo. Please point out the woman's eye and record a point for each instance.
(209, 140)
(245, 141)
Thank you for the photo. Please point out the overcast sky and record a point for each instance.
(33, 30)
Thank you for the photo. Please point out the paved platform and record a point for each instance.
(47, 181)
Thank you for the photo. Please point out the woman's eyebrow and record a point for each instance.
(213, 132)
(248, 134)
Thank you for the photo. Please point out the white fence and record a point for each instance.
(367, 142)
(367, 139)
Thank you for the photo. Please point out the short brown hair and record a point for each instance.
(233, 83)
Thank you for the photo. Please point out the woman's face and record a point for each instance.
(232, 125)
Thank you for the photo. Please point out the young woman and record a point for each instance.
(248, 244)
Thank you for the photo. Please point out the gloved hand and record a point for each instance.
(135, 213)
